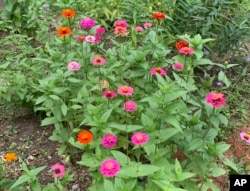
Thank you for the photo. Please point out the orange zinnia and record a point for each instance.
(9, 157)
(64, 31)
(181, 44)
(159, 16)
(85, 137)
(68, 13)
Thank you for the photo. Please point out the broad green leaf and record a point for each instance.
(120, 157)
(174, 122)
(89, 160)
(22, 179)
(49, 121)
(223, 78)
(64, 109)
(230, 164)
(168, 132)
(108, 185)
(126, 128)
(35, 171)
(54, 97)
(195, 143)
(106, 115)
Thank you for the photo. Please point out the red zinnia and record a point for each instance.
(181, 43)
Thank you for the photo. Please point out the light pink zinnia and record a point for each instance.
(98, 60)
(109, 94)
(73, 66)
(178, 66)
(59, 170)
(130, 106)
(147, 25)
(90, 39)
(125, 90)
(87, 23)
(121, 23)
(158, 70)
(109, 141)
(245, 136)
(186, 50)
(110, 168)
(100, 30)
(139, 138)
(217, 100)
(139, 29)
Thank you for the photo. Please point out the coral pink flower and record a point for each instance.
(158, 70)
(109, 141)
(90, 39)
(139, 138)
(120, 30)
(100, 30)
(125, 90)
(121, 23)
(130, 106)
(110, 168)
(80, 38)
(245, 136)
(139, 29)
(87, 23)
(217, 100)
(59, 170)
(147, 25)
(98, 60)
(73, 66)
(109, 94)
(178, 66)
(186, 50)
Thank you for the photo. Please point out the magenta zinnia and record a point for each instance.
(158, 70)
(100, 30)
(139, 138)
(73, 66)
(130, 106)
(186, 50)
(110, 168)
(217, 100)
(245, 136)
(87, 23)
(178, 66)
(109, 141)
(109, 94)
(98, 60)
(59, 170)
(125, 90)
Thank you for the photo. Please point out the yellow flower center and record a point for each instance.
(158, 69)
(109, 166)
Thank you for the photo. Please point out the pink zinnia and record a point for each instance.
(245, 136)
(217, 100)
(139, 138)
(98, 38)
(125, 90)
(139, 29)
(110, 168)
(100, 30)
(130, 106)
(73, 66)
(59, 170)
(80, 38)
(178, 66)
(147, 25)
(158, 70)
(90, 39)
(98, 60)
(87, 23)
(186, 50)
(109, 94)
(120, 30)
(121, 23)
(109, 141)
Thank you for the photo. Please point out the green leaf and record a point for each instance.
(174, 122)
(230, 164)
(178, 169)
(167, 185)
(166, 133)
(106, 115)
(146, 121)
(64, 109)
(22, 179)
(35, 171)
(120, 157)
(54, 97)
(223, 119)
(108, 185)
(89, 160)
(41, 99)
(195, 144)
(49, 121)
(223, 78)
(126, 128)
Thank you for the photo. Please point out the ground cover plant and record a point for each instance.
(142, 106)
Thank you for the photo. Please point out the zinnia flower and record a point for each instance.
(147, 25)
(85, 137)
(181, 43)
(104, 84)
(120, 30)
(109, 141)
(68, 13)
(90, 39)
(121, 23)
(217, 100)
(158, 70)
(80, 38)
(110, 168)
(59, 170)
(100, 30)
(139, 138)
(139, 29)
(9, 157)
(64, 31)
(130, 106)
(125, 90)
(98, 38)
(245, 136)
(98, 60)
(87, 23)
(159, 16)
(109, 94)
(186, 50)
(73, 66)
(178, 66)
